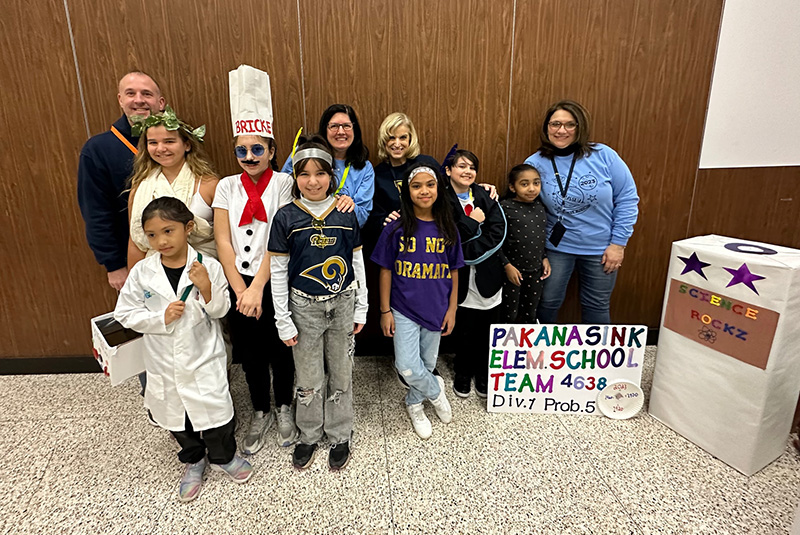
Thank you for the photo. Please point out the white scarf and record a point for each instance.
(182, 188)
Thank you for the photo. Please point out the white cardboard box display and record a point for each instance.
(727, 372)
(117, 362)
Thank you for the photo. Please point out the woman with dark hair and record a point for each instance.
(592, 205)
(354, 174)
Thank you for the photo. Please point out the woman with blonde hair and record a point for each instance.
(171, 163)
(398, 150)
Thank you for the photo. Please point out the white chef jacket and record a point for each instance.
(250, 241)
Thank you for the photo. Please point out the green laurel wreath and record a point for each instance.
(168, 120)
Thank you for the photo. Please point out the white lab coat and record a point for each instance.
(185, 360)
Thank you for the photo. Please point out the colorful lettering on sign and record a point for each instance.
(561, 336)
(569, 364)
(718, 301)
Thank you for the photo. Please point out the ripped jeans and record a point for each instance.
(323, 329)
(415, 352)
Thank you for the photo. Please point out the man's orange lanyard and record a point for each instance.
(125, 141)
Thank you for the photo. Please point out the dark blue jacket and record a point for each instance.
(480, 242)
(103, 171)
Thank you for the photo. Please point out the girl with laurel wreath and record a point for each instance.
(171, 162)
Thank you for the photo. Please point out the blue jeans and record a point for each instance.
(324, 404)
(415, 352)
(595, 287)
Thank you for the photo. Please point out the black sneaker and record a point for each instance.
(480, 387)
(462, 385)
(339, 456)
(402, 381)
(303, 455)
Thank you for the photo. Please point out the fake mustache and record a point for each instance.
(251, 162)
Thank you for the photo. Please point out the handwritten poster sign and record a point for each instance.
(737, 328)
(558, 369)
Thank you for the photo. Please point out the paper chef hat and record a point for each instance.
(251, 102)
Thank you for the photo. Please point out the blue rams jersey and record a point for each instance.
(320, 249)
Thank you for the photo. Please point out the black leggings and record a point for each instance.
(471, 342)
(520, 302)
(257, 346)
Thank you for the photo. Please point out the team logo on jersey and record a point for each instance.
(147, 295)
(322, 241)
(330, 274)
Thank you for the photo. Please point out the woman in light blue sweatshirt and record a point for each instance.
(592, 205)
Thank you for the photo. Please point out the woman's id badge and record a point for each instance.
(557, 233)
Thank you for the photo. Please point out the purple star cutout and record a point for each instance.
(743, 275)
(693, 264)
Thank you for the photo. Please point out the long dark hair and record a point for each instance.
(442, 212)
(312, 142)
(582, 131)
(357, 154)
(168, 209)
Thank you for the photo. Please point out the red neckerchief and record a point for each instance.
(254, 209)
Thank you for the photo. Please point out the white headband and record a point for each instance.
(422, 169)
(312, 153)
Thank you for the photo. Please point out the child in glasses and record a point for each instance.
(482, 226)
(320, 301)
(244, 207)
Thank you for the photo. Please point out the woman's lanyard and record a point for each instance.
(344, 177)
(562, 187)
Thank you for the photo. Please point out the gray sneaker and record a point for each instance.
(254, 440)
(287, 430)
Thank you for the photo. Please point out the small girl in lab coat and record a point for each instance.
(175, 298)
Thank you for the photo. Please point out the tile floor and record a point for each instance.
(77, 456)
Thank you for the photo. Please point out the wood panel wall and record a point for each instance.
(757, 203)
(474, 72)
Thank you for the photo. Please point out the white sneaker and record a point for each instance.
(287, 430)
(421, 424)
(254, 440)
(441, 405)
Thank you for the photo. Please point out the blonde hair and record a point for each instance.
(199, 163)
(389, 125)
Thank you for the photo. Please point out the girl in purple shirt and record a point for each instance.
(419, 255)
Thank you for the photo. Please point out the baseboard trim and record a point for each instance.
(48, 365)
